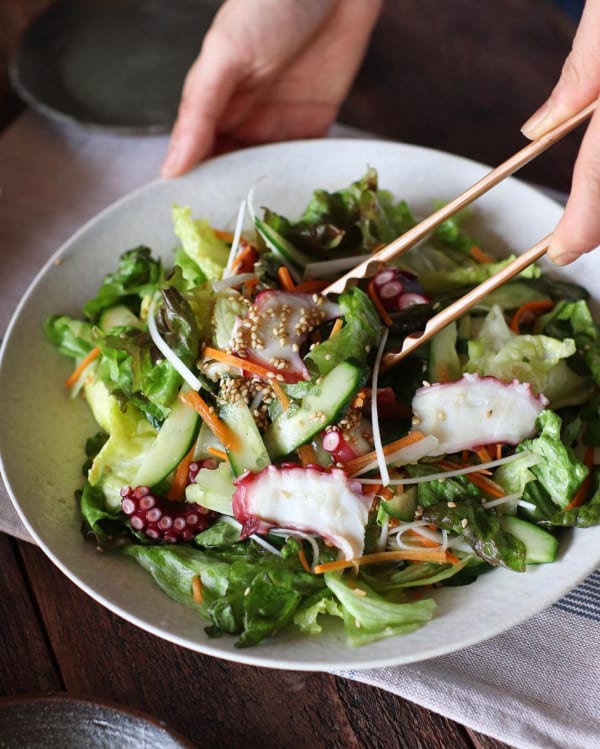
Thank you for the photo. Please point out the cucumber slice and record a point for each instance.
(250, 453)
(444, 364)
(324, 404)
(174, 440)
(402, 506)
(285, 250)
(118, 317)
(213, 489)
(541, 546)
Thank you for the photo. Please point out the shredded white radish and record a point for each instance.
(326, 268)
(237, 234)
(409, 454)
(160, 343)
(228, 282)
(501, 500)
(383, 536)
(260, 541)
(285, 532)
(444, 540)
(526, 505)
(448, 474)
(395, 540)
(381, 461)
(81, 380)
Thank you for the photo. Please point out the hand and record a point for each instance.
(578, 231)
(269, 70)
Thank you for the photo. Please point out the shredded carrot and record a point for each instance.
(529, 310)
(280, 393)
(479, 255)
(356, 464)
(245, 259)
(452, 558)
(448, 465)
(423, 540)
(217, 453)
(249, 285)
(498, 450)
(88, 359)
(411, 555)
(237, 361)
(226, 236)
(385, 493)
(304, 561)
(307, 455)
(248, 366)
(177, 489)
(485, 484)
(580, 495)
(221, 431)
(337, 326)
(374, 297)
(285, 278)
(308, 287)
(197, 589)
(483, 454)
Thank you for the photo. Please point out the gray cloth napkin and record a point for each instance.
(537, 686)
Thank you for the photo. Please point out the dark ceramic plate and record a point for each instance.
(60, 722)
(116, 65)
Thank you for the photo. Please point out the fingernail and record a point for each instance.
(534, 123)
(171, 160)
(561, 257)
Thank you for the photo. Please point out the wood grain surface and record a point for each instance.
(212, 702)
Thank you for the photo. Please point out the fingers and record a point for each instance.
(208, 88)
(579, 83)
(241, 46)
(579, 229)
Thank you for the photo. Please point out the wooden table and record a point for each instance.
(459, 76)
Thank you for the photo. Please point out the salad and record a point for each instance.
(256, 458)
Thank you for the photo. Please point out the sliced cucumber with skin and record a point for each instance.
(281, 247)
(118, 317)
(174, 440)
(444, 364)
(324, 404)
(249, 453)
(402, 506)
(541, 547)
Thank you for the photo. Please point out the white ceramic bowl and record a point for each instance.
(43, 432)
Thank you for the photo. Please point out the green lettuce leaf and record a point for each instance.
(200, 243)
(539, 360)
(481, 529)
(584, 516)
(133, 369)
(359, 335)
(137, 275)
(372, 617)
(439, 281)
(558, 473)
(71, 337)
(349, 221)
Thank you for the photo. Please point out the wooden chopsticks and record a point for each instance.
(470, 299)
(419, 231)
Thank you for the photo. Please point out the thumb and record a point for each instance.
(578, 231)
(579, 82)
